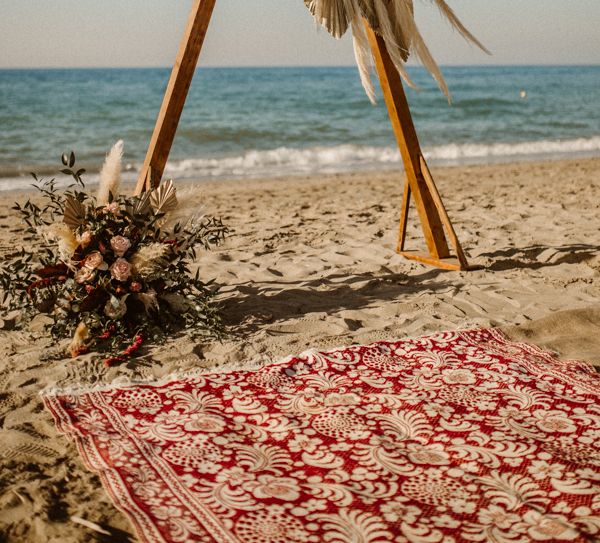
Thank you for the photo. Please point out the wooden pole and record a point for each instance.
(175, 95)
(419, 183)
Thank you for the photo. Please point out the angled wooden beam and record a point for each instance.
(404, 209)
(419, 183)
(175, 95)
(444, 215)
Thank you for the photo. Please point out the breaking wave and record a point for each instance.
(345, 158)
(285, 161)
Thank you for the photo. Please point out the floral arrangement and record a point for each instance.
(111, 271)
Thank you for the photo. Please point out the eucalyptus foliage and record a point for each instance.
(111, 273)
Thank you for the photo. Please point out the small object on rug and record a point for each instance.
(456, 436)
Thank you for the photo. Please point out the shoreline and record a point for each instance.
(310, 263)
(223, 168)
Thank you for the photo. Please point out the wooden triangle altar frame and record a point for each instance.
(419, 183)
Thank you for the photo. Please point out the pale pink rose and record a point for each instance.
(94, 261)
(85, 238)
(135, 286)
(85, 275)
(120, 245)
(120, 270)
(113, 208)
(115, 309)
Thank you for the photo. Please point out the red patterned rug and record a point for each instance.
(457, 436)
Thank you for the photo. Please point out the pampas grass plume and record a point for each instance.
(110, 175)
(187, 211)
(148, 259)
(81, 335)
(149, 300)
(65, 237)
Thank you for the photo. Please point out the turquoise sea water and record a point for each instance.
(250, 122)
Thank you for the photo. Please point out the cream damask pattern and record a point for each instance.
(457, 436)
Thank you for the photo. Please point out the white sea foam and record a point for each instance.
(345, 158)
(477, 152)
(285, 161)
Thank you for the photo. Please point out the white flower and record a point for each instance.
(445, 521)
(115, 308)
(204, 423)
(497, 516)
(429, 455)
(113, 208)
(234, 476)
(540, 469)
(281, 488)
(399, 511)
(303, 443)
(549, 528)
(458, 376)
(554, 422)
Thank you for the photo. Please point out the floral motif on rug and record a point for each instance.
(456, 436)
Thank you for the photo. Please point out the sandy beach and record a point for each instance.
(310, 263)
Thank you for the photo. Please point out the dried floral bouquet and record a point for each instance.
(111, 271)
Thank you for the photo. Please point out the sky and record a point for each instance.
(107, 33)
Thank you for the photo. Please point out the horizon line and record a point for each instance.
(290, 66)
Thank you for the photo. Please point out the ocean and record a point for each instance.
(255, 122)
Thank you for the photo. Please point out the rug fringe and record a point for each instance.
(255, 365)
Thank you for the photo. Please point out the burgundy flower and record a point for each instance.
(135, 286)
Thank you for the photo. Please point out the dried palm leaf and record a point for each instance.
(74, 215)
(164, 198)
(141, 205)
(394, 21)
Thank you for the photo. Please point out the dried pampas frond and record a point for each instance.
(188, 211)
(149, 299)
(149, 259)
(394, 21)
(110, 175)
(79, 340)
(65, 237)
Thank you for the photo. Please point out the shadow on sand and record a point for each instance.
(251, 305)
(527, 257)
(280, 300)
